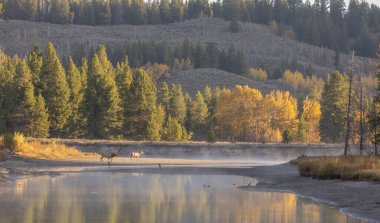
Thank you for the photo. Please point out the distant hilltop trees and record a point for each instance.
(325, 23)
(209, 55)
(42, 97)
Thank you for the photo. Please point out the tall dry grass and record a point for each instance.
(51, 150)
(341, 167)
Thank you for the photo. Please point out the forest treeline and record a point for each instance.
(40, 97)
(185, 53)
(331, 24)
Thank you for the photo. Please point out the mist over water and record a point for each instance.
(138, 198)
(261, 153)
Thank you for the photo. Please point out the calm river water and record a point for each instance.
(154, 198)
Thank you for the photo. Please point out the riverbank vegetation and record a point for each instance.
(22, 146)
(44, 96)
(352, 167)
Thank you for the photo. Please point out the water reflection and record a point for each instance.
(143, 198)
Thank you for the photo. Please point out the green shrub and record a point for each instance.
(287, 136)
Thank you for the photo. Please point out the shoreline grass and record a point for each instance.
(352, 167)
(42, 150)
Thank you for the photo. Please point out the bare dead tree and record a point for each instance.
(348, 122)
(375, 141)
(376, 100)
(361, 116)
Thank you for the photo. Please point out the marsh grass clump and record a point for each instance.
(13, 141)
(341, 167)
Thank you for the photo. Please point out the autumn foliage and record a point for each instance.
(244, 114)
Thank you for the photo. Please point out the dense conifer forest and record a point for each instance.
(42, 97)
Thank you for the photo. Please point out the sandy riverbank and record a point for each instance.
(117, 161)
(360, 199)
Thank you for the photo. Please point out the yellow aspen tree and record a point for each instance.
(311, 114)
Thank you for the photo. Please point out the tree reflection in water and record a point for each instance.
(148, 198)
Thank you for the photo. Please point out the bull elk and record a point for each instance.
(109, 155)
(136, 154)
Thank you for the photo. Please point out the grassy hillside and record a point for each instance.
(197, 79)
(259, 45)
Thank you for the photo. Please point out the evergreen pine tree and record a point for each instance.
(199, 112)
(55, 91)
(84, 72)
(287, 136)
(177, 106)
(40, 119)
(174, 131)
(155, 124)
(217, 9)
(207, 94)
(309, 70)
(103, 103)
(241, 66)
(186, 136)
(141, 106)
(187, 49)
(302, 134)
(189, 104)
(154, 13)
(59, 12)
(279, 11)
(103, 14)
(35, 65)
(213, 55)
(164, 96)
(177, 10)
(137, 13)
(124, 81)
(334, 108)
(22, 115)
(77, 122)
(104, 61)
(212, 103)
(116, 10)
(199, 57)
(232, 9)
(7, 71)
(165, 11)
(337, 10)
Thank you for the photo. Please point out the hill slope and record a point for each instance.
(259, 46)
(197, 79)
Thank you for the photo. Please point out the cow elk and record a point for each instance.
(136, 154)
